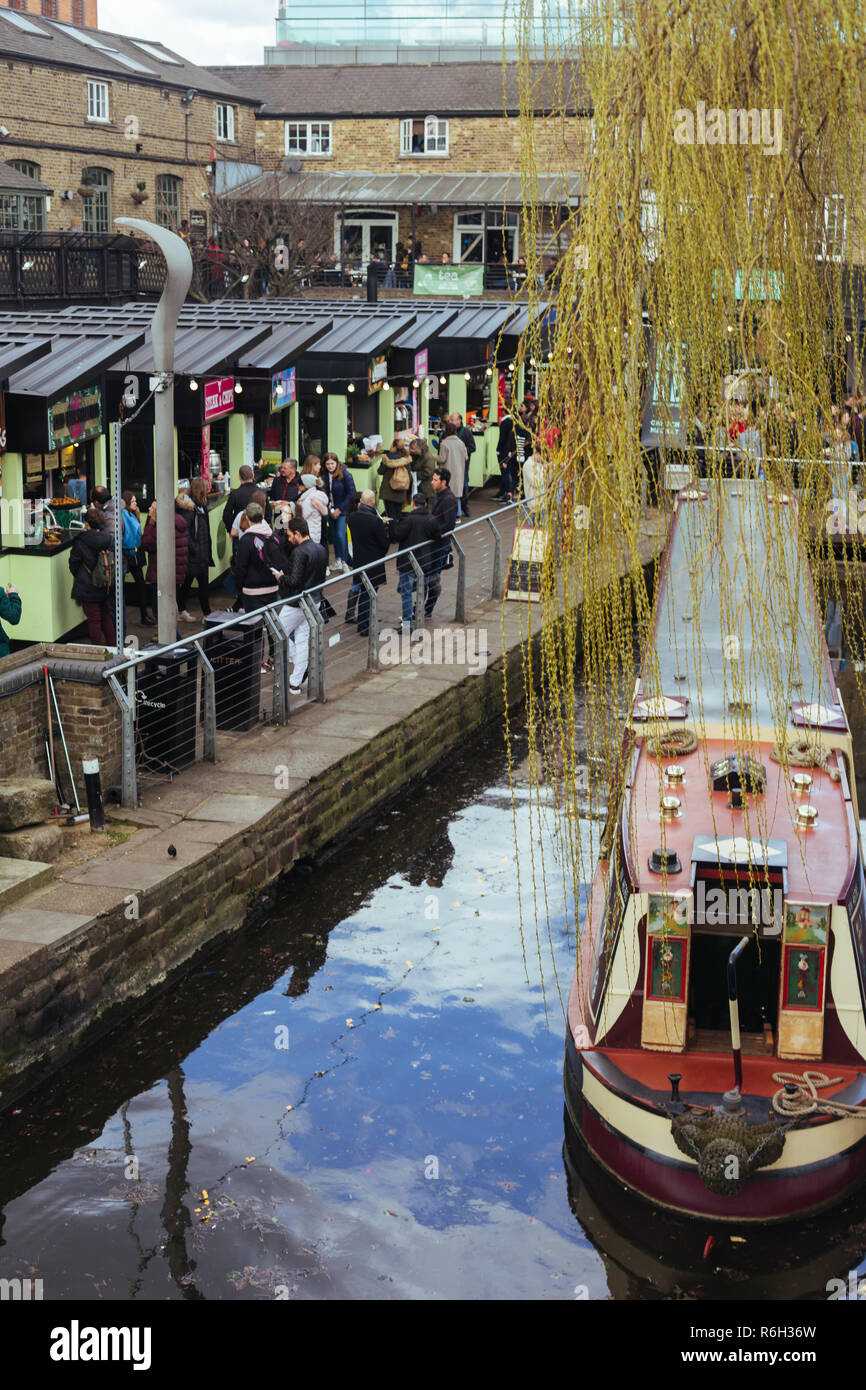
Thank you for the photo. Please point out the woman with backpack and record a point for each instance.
(395, 472)
(91, 562)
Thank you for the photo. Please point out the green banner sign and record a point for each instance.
(454, 280)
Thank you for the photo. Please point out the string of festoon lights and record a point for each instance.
(391, 382)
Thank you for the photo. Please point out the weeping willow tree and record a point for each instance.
(721, 148)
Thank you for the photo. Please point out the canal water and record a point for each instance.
(361, 1097)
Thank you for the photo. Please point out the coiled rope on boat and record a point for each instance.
(799, 752)
(672, 742)
(805, 1100)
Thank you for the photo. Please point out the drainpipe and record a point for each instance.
(178, 263)
(735, 1017)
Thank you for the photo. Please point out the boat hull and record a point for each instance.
(633, 1145)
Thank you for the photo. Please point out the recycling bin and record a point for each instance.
(234, 649)
(165, 707)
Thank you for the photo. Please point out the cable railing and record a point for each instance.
(180, 702)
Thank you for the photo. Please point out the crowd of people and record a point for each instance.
(280, 540)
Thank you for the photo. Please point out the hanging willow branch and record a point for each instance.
(722, 203)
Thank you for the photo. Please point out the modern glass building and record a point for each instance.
(405, 30)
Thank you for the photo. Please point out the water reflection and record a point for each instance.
(405, 1143)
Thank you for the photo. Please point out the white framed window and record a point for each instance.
(97, 101)
(423, 135)
(832, 228)
(486, 237)
(308, 138)
(225, 122)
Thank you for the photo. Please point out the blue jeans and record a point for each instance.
(406, 586)
(340, 538)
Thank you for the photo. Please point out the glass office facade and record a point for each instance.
(409, 23)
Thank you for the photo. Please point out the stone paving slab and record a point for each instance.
(304, 761)
(34, 925)
(188, 845)
(120, 873)
(240, 809)
(18, 877)
(11, 952)
(77, 897)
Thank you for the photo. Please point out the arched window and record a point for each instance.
(25, 166)
(168, 201)
(96, 214)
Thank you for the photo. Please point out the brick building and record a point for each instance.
(112, 126)
(425, 152)
(81, 12)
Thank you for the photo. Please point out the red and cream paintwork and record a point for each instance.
(630, 1021)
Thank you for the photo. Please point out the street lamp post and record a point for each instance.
(178, 264)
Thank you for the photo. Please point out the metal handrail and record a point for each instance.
(186, 642)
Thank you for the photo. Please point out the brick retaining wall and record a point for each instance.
(88, 709)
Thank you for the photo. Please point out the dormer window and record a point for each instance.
(423, 135)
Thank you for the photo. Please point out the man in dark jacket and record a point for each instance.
(239, 496)
(96, 600)
(306, 570)
(416, 528)
(369, 543)
(10, 611)
(444, 512)
(288, 486)
(513, 447)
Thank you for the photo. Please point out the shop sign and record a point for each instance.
(283, 389)
(421, 365)
(377, 373)
(448, 279)
(205, 453)
(219, 398)
(74, 418)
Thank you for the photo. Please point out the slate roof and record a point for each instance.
(13, 178)
(395, 89)
(29, 38)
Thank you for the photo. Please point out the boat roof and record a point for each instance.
(736, 622)
(736, 618)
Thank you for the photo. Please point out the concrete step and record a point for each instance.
(18, 877)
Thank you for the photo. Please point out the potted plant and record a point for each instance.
(139, 194)
(86, 187)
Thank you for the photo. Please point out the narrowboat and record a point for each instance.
(716, 1047)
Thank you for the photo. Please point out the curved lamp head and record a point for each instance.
(178, 263)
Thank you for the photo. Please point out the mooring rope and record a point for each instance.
(800, 753)
(806, 1101)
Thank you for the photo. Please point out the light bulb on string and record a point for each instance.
(239, 390)
(319, 389)
(466, 376)
(193, 385)
(416, 383)
(351, 386)
(441, 381)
